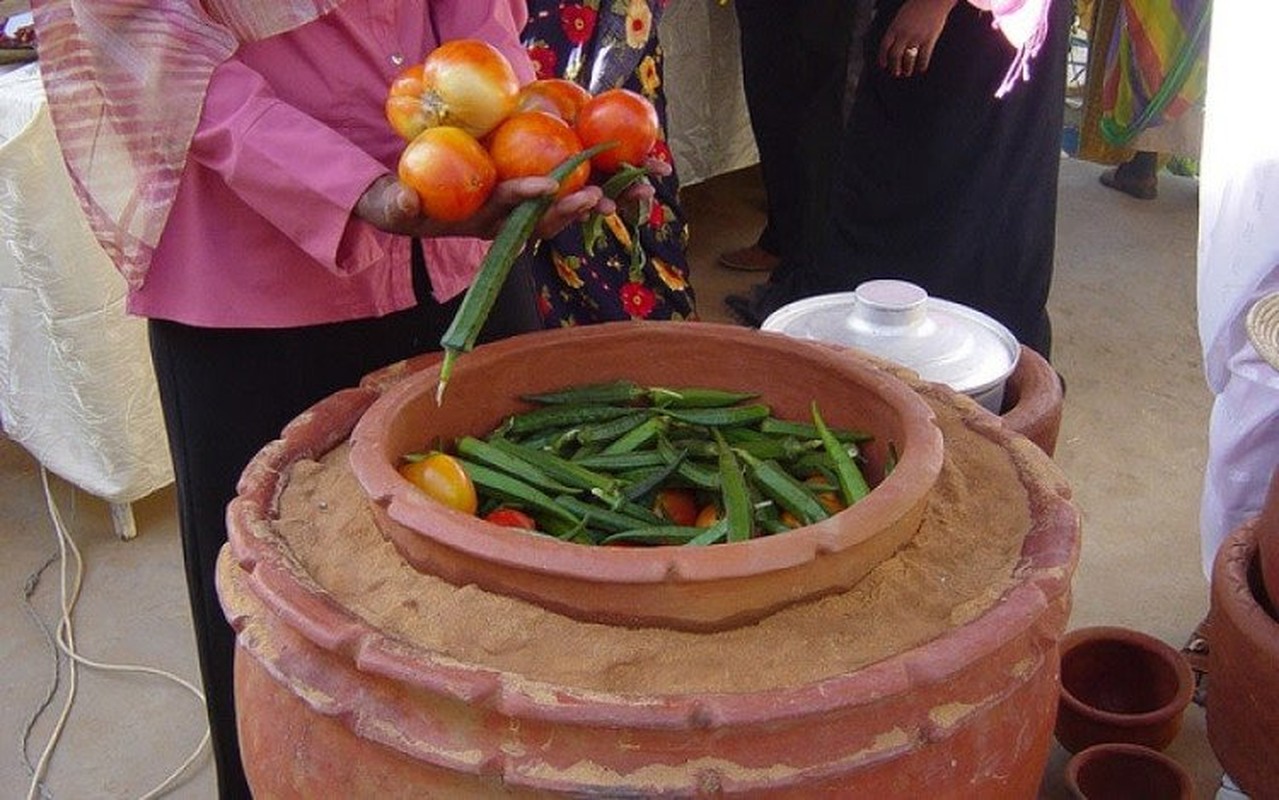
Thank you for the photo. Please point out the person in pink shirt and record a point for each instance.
(233, 159)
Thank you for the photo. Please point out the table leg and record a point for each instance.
(122, 520)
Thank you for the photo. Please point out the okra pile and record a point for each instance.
(621, 463)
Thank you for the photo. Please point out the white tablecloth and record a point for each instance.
(76, 385)
(709, 130)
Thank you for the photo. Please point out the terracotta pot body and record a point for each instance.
(1268, 547)
(1243, 668)
(687, 588)
(1033, 399)
(329, 705)
(1127, 772)
(1120, 686)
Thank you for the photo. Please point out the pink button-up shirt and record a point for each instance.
(292, 133)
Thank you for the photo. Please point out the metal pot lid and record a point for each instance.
(943, 342)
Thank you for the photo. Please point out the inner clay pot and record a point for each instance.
(690, 588)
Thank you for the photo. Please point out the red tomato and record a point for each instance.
(677, 505)
(534, 143)
(511, 518)
(622, 116)
(450, 171)
(443, 479)
(557, 96)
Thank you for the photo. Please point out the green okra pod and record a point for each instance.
(735, 493)
(514, 465)
(605, 393)
(805, 430)
(519, 225)
(513, 489)
(852, 484)
(785, 489)
(720, 417)
(559, 417)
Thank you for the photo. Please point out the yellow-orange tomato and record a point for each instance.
(557, 96)
(443, 479)
(450, 171)
(534, 143)
(707, 516)
(830, 501)
(404, 103)
(469, 84)
(623, 117)
(677, 505)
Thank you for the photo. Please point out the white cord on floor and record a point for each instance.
(66, 643)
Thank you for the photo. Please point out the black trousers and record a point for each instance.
(794, 73)
(227, 392)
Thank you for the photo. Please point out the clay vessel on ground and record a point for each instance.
(689, 588)
(1127, 772)
(1033, 400)
(1120, 685)
(1268, 547)
(331, 705)
(1243, 668)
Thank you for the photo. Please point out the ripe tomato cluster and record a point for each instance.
(470, 124)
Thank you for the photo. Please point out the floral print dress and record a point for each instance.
(602, 44)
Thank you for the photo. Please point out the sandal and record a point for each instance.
(1142, 190)
(1195, 652)
(749, 259)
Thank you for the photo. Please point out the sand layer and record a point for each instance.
(962, 559)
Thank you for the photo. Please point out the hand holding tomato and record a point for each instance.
(393, 206)
(479, 144)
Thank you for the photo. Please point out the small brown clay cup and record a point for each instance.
(1117, 771)
(1120, 686)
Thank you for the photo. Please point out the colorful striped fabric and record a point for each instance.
(125, 81)
(1156, 65)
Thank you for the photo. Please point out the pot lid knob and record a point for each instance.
(894, 304)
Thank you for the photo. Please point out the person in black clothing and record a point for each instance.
(794, 73)
(939, 182)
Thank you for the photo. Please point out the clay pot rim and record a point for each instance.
(1166, 653)
(912, 476)
(286, 589)
(1094, 752)
(1232, 589)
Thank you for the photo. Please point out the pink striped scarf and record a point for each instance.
(126, 81)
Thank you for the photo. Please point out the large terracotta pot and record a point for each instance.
(1243, 668)
(330, 704)
(1120, 685)
(690, 588)
(1033, 399)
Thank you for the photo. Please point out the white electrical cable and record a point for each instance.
(66, 643)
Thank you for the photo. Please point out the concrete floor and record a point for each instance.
(1132, 442)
